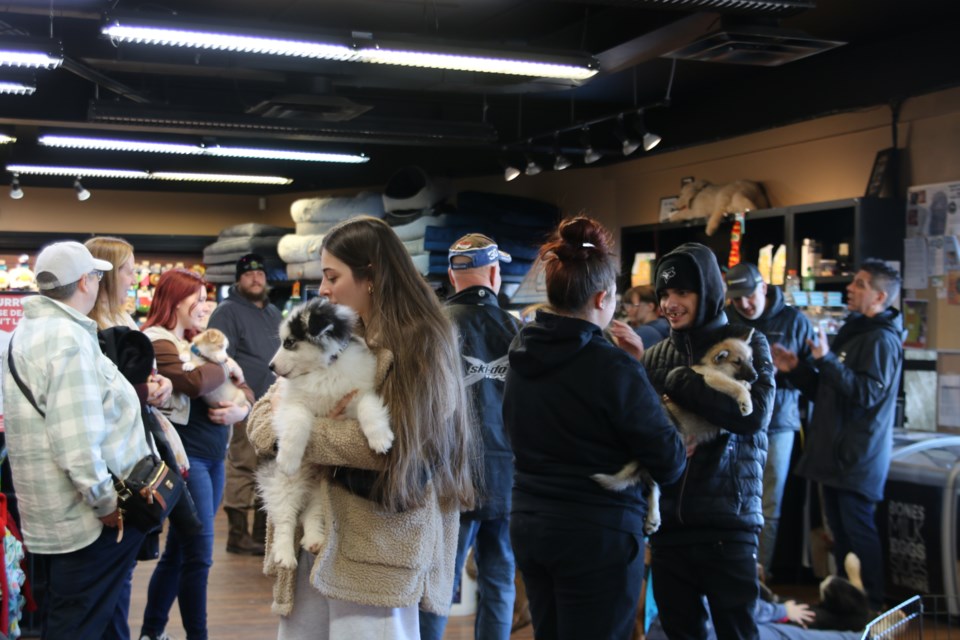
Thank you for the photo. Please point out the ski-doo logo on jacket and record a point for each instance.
(477, 370)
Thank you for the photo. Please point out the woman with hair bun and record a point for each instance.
(576, 405)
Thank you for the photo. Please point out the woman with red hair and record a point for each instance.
(176, 315)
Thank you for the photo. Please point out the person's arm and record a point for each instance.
(873, 380)
(76, 427)
(688, 388)
(647, 431)
(193, 384)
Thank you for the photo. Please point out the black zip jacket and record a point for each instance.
(850, 438)
(576, 405)
(486, 332)
(719, 496)
(781, 324)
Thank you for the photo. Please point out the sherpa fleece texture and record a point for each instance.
(371, 556)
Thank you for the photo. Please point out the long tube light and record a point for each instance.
(102, 144)
(17, 88)
(89, 172)
(30, 52)
(358, 50)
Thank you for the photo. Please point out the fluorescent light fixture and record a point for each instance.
(217, 177)
(355, 50)
(29, 52)
(17, 88)
(82, 194)
(101, 144)
(5, 139)
(88, 172)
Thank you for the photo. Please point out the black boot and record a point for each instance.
(259, 533)
(238, 539)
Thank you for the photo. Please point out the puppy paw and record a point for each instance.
(650, 527)
(287, 464)
(285, 558)
(189, 366)
(313, 541)
(380, 440)
(746, 406)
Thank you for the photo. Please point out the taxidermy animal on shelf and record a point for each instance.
(700, 199)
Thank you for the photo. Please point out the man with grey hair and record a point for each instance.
(72, 419)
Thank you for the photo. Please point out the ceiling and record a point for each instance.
(453, 123)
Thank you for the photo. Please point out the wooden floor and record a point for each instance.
(238, 600)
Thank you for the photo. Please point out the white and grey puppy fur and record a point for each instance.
(320, 362)
(211, 346)
(727, 367)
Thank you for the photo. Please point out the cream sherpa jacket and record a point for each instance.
(371, 556)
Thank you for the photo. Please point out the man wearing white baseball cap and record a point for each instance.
(71, 419)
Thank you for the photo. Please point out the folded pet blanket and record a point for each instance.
(297, 248)
(253, 229)
(232, 249)
(314, 228)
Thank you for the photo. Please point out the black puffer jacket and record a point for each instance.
(781, 324)
(486, 332)
(719, 496)
(851, 434)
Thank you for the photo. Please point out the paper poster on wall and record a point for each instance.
(916, 272)
(932, 210)
(935, 255)
(953, 287)
(915, 323)
(948, 400)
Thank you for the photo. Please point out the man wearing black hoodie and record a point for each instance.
(707, 543)
(850, 438)
(756, 304)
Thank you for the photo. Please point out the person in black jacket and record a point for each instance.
(756, 304)
(486, 332)
(850, 439)
(707, 543)
(576, 405)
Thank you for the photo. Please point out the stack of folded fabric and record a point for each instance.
(414, 201)
(313, 218)
(519, 225)
(220, 258)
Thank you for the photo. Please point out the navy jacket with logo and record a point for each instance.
(719, 496)
(850, 438)
(486, 332)
(576, 405)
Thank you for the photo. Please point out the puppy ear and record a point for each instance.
(722, 355)
(317, 326)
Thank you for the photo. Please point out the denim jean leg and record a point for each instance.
(780, 447)
(495, 566)
(432, 625)
(162, 589)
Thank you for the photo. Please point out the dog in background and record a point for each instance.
(843, 603)
(727, 367)
(700, 199)
(322, 368)
(211, 346)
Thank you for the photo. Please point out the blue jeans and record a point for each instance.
(182, 571)
(779, 448)
(88, 590)
(854, 527)
(490, 540)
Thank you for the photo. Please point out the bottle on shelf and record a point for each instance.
(809, 281)
(293, 300)
(791, 285)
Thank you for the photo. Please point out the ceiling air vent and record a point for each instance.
(309, 107)
(780, 8)
(753, 45)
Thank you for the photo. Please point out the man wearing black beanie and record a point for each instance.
(707, 543)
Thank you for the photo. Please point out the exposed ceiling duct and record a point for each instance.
(751, 44)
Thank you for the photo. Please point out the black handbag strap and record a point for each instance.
(16, 377)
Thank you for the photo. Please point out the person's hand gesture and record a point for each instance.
(821, 346)
(799, 613)
(783, 359)
(627, 338)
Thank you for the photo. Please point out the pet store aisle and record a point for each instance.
(238, 604)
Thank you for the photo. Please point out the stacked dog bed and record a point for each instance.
(313, 218)
(220, 258)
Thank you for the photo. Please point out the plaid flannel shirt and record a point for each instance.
(61, 464)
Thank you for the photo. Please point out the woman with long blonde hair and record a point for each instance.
(396, 515)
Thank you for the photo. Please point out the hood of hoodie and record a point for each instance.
(710, 295)
(548, 342)
(774, 303)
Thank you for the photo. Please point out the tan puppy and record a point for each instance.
(700, 199)
(211, 346)
(727, 367)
